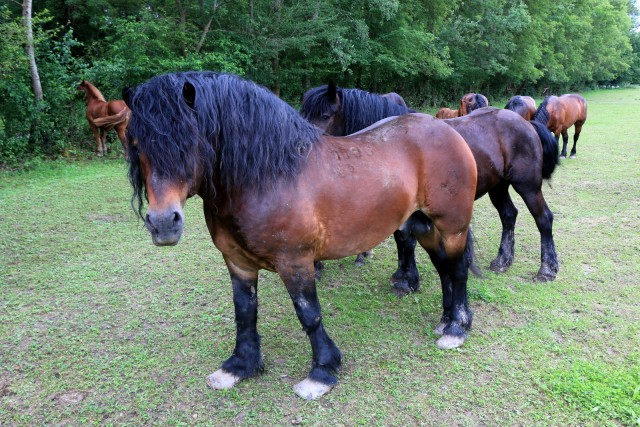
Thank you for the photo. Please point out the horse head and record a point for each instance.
(157, 174)
(322, 107)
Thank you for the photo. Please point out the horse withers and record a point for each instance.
(278, 195)
(104, 116)
(559, 113)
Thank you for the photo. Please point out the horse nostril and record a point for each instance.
(177, 217)
(147, 219)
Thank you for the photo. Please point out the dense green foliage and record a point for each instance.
(430, 51)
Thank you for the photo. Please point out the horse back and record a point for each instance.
(575, 107)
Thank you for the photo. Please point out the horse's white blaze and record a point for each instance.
(221, 380)
(310, 389)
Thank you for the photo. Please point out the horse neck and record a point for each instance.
(92, 94)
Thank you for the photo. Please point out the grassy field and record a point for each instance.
(100, 327)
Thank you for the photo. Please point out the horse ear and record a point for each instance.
(332, 91)
(189, 95)
(126, 96)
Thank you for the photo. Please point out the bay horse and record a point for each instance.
(509, 151)
(523, 105)
(559, 113)
(380, 107)
(278, 195)
(472, 101)
(104, 116)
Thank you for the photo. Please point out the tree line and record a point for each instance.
(430, 51)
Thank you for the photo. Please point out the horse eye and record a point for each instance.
(326, 117)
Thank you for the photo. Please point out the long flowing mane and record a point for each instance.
(93, 91)
(235, 132)
(360, 108)
(542, 115)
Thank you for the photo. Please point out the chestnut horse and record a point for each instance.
(278, 195)
(509, 151)
(523, 105)
(104, 116)
(447, 113)
(559, 113)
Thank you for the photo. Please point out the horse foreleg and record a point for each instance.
(406, 278)
(577, 128)
(326, 361)
(246, 360)
(565, 141)
(501, 200)
(544, 221)
(122, 137)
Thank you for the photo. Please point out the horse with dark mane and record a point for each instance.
(394, 98)
(472, 101)
(509, 151)
(104, 116)
(278, 195)
(523, 105)
(559, 113)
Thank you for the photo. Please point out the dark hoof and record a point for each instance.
(360, 260)
(573, 156)
(401, 289)
(498, 267)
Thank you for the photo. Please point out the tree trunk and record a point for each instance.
(275, 66)
(35, 77)
(183, 27)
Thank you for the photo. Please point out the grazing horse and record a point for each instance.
(447, 113)
(559, 113)
(278, 195)
(523, 105)
(509, 151)
(472, 101)
(104, 116)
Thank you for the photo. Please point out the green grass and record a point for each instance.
(100, 327)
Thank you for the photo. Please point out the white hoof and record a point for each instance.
(447, 342)
(310, 389)
(439, 329)
(221, 380)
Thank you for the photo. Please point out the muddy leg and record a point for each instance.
(501, 200)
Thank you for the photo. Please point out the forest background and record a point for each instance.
(431, 52)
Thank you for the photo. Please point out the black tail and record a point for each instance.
(470, 254)
(550, 157)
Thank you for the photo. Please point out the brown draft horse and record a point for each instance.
(523, 105)
(559, 113)
(104, 116)
(509, 151)
(278, 195)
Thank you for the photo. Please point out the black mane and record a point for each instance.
(515, 103)
(359, 108)
(362, 109)
(235, 132)
(542, 114)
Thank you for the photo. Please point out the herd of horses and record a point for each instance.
(283, 190)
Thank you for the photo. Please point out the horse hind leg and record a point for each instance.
(97, 136)
(543, 216)
(406, 278)
(565, 141)
(361, 256)
(577, 128)
(501, 200)
(453, 270)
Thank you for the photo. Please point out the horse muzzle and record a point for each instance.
(165, 227)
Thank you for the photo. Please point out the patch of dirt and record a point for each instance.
(70, 397)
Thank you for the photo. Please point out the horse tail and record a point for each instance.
(549, 148)
(470, 254)
(109, 122)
